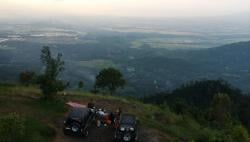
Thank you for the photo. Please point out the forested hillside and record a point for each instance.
(213, 103)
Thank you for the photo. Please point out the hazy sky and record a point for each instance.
(136, 8)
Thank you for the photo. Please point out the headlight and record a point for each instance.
(74, 128)
(122, 129)
(132, 129)
(127, 137)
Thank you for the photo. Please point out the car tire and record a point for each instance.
(85, 133)
(65, 132)
(75, 127)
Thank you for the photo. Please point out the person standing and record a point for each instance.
(91, 104)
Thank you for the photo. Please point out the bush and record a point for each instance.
(240, 134)
(12, 128)
(235, 134)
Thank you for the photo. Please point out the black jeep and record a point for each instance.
(78, 122)
(128, 129)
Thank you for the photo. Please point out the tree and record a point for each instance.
(110, 79)
(48, 81)
(244, 111)
(80, 84)
(221, 110)
(180, 106)
(27, 77)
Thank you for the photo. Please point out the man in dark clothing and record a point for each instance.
(91, 104)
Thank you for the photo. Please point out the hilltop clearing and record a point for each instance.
(44, 119)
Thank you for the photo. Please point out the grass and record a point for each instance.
(97, 64)
(13, 90)
(37, 131)
(167, 43)
(5, 47)
(43, 116)
(39, 115)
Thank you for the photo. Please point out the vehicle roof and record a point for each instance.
(128, 119)
(79, 112)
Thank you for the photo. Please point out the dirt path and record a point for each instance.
(103, 135)
(95, 135)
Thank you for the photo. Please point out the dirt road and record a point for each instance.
(95, 135)
(103, 135)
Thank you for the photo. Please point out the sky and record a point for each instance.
(128, 8)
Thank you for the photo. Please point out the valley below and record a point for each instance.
(152, 60)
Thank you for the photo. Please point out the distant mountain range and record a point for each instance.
(229, 62)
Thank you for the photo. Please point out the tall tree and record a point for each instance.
(80, 84)
(49, 82)
(110, 79)
(221, 110)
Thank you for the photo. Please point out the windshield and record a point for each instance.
(128, 119)
(79, 113)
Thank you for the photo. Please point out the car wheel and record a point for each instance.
(75, 127)
(85, 133)
(65, 132)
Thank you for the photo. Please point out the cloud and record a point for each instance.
(144, 8)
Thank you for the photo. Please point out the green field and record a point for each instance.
(98, 64)
(167, 43)
(5, 47)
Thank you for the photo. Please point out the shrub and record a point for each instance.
(240, 134)
(12, 128)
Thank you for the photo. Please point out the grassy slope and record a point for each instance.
(43, 117)
(39, 115)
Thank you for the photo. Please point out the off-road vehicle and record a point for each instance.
(78, 121)
(128, 129)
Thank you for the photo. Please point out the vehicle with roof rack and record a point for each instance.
(128, 128)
